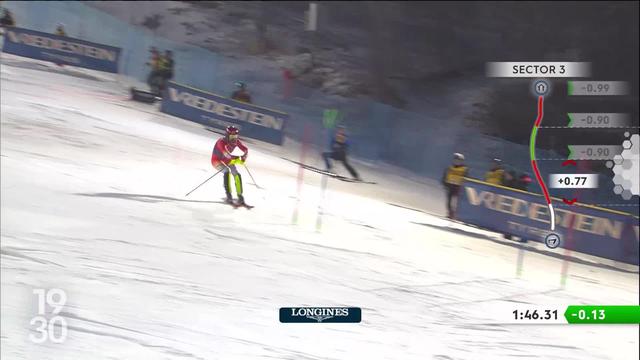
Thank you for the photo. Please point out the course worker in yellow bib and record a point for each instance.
(452, 181)
(495, 176)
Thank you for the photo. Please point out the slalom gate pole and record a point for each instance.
(321, 204)
(211, 177)
(303, 151)
(583, 167)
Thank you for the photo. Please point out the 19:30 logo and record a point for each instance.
(53, 329)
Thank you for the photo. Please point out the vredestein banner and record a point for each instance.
(219, 112)
(61, 49)
(588, 229)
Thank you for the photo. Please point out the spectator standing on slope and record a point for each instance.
(510, 179)
(154, 64)
(242, 94)
(165, 69)
(495, 176)
(452, 180)
(7, 19)
(60, 30)
(523, 182)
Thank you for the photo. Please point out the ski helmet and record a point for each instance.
(232, 130)
(458, 156)
(232, 133)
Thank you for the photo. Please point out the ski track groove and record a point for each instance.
(16, 254)
(166, 349)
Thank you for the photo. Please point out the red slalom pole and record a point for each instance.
(303, 153)
(571, 240)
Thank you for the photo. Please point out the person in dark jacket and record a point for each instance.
(523, 182)
(241, 94)
(510, 179)
(60, 30)
(7, 19)
(339, 148)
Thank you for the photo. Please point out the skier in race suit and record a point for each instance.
(221, 159)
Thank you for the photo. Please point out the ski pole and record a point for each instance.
(204, 182)
(254, 180)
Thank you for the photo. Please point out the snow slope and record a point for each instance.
(93, 203)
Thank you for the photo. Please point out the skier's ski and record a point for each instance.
(346, 179)
(329, 173)
(336, 176)
(311, 168)
(320, 171)
(236, 204)
(243, 205)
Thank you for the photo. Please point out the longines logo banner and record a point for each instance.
(320, 315)
(596, 231)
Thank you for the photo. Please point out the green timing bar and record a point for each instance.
(603, 314)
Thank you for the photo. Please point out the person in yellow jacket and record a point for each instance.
(495, 176)
(452, 181)
(154, 76)
(165, 69)
(60, 30)
(7, 19)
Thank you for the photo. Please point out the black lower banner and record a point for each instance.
(320, 315)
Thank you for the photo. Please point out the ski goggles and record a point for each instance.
(233, 137)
